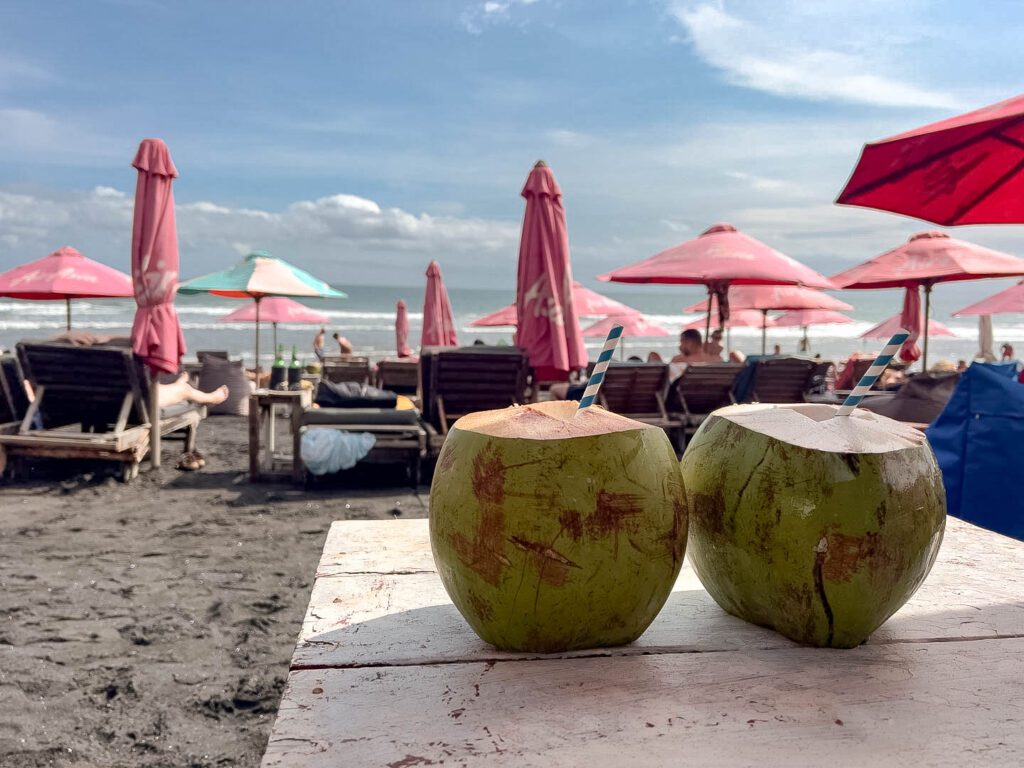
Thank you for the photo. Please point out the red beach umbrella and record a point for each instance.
(547, 328)
(1002, 303)
(587, 303)
(402, 330)
(65, 275)
(889, 326)
(438, 323)
(276, 309)
(721, 256)
(964, 170)
(156, 333)
(925, 259)
(806, 317)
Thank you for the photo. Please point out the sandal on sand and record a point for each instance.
(188, 462)
(199, 459)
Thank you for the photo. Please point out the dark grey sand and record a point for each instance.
(151, 624)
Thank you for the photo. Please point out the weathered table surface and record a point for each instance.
(386, 673)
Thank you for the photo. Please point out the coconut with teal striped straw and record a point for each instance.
(603, 361)
(868, 379)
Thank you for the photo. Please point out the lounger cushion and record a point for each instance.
(217, 372)
(368, 417)
(351, 394)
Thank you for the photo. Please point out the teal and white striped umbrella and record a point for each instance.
(259, 275)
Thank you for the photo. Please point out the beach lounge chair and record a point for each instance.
(703, 388)
(91, 403)
(919, 401)
(781, 379)
(13, 397)
(399, 376)
(460, 381)
(637, 391)
(338, 368)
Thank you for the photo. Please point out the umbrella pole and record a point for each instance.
(67, 309)
(257, 341)
(707, 322)
(927, 321)
(764, 331)
(274, 350)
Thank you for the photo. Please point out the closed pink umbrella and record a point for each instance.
(587, 303)
(402, 330)
(547, 327)
(156, 333)
(911, 320)
(438, 323)
(64, 275)
(274, 310)
(889, 326)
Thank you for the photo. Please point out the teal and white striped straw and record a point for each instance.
(868, 379)
(603, 360)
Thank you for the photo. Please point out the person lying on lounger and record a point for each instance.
(170, 393)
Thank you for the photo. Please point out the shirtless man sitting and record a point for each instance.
(691, 350)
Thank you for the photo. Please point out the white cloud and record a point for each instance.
(17, 72)
(480, 15)
(805, 51)
(343, 238)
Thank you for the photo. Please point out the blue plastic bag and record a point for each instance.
(325, 451)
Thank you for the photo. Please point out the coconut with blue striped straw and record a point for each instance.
(871, 376)
(603, 361)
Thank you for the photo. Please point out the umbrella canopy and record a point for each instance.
(768, 297)
(402, 330)
(276, 309)
(438, 323)
(588, 303)
(1004, 302)
(633, 325)
(963, 170)
(65, 274)
(721, 256)
(259, 275)
(928, 258)
(547, 328)
(889, 326)
(741, 318)
(806, 317)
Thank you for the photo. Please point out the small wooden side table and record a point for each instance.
(265, 461)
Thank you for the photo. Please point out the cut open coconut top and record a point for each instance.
(551, 420)
(815, 426)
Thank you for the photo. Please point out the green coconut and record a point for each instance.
(554, 531)
(818, 527)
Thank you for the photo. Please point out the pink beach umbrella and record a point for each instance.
(1005, 302)
(547, 327)
(402, 330)
(587, 303)
(740, 318)
(274, 310)
(438, 323)
(803, 318)
(720, 257)
(65, 275)
(634, 326)
(889, 326)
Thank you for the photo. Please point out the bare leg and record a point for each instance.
(180, 391)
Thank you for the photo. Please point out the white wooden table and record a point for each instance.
(386, 673)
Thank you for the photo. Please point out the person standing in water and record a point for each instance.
(344, 345)
(318, 344)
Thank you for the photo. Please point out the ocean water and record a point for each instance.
(367, 318)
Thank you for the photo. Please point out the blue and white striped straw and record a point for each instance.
(868, 379)
(603, 360)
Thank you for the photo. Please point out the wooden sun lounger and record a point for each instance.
(637, 391)
(339, 368)
(399, 376)
(781, 380)
(91, 403)
(463, 381)
(703, 388)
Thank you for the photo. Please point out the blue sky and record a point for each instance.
(361, 139)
